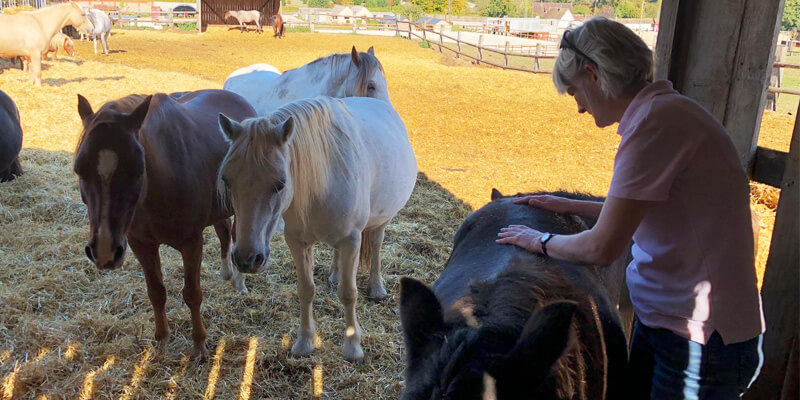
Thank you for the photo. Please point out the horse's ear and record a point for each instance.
(287, 129)
(496, 194)
(137, 116)
(84, 108)
(371, 51)
(229, 127)
(355, 56)
(421, 317)
(544, 339)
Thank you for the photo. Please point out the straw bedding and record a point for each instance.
(70, 331)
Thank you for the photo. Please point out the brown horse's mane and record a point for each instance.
(109, 112)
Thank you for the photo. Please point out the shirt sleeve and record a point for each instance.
(652, 155)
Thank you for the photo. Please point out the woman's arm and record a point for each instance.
(600, 245)
(581, 208)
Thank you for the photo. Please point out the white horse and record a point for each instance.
(338, 75)
(338, 170)
(102, 29)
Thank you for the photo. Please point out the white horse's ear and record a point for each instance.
(355, 56)
(371, 51)
(229, 127)
(84, 108)
(287, 129)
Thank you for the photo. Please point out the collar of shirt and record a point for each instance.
(642, 98)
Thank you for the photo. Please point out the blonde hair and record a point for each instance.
(621, 57)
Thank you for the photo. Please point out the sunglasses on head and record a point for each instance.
(567, 44)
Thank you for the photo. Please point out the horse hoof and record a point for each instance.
(352, 351)
(225, 273)
(199, 355)
(239, 285)
(378, 292)
(302, 348)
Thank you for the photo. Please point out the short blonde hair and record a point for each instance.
(621, 57)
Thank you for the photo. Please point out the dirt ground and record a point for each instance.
(69, 331)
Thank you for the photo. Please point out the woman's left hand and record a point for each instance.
(522, 236)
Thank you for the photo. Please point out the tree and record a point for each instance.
(791, 14)
(411, 11)
(500, 8)
(581, 9)
(319, 3)
(626, 9)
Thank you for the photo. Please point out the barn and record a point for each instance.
(727, 74)
(212, 12)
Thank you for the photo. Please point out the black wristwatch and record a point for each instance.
(544, 239)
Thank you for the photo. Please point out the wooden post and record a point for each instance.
(441, 39)
(396, 27)
(458, 45)
(199, 8)
(480, 49)
(776, 78)
(505, 55)
(536, 59)
(779, 376)
(424, 35)
(727, 74)
(409, 30)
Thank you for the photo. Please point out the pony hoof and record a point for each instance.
(226, 274)
(302, 348)
(239, 285)
(352, 351)
(378, 292)
(199, 355)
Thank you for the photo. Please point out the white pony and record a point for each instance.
(338, 170)
(102, 29)
(338, 75)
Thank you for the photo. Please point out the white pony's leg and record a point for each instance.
(105, 43)
(377, 290)
(94, 40)
(346, 254)
(303, 255)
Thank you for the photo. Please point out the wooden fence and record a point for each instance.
(437, 38)
(773, 89)
(166, 18)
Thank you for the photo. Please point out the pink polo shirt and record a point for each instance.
(692, 270)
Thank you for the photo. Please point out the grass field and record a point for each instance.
(70, 331)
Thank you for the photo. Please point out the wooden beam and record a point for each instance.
(721, 56)
(769, 166)
(780, 292)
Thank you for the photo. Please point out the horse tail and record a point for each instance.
(365, 257)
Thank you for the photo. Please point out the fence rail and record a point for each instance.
(776, 90)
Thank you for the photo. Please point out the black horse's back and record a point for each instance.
(10, 139)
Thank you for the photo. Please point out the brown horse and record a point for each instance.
(147, 167)
(278, 26)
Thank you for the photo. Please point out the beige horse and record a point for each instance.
(28, 35)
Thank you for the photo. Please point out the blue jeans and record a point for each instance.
(665, 366)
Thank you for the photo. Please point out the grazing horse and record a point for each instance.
(503, 323)
(27, 35)
(278, 27)
(245, 17)
(102, 29)
(10, 139)
(59, 41)
(338, 170)
(338, 75)
(147, 167)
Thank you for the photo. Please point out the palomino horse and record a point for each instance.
(246, 17)
(10, 139)
(28, 34)
(59, 41)
(147, 169)
(278, 27)
(338, 170)
(502, 323)
(338, 75)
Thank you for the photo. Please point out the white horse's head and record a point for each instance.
(365, 77)
(256, 174)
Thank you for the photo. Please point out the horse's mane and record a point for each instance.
(321, 134)
(340, 64)
(110, 112)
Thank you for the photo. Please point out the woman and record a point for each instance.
(680, 192)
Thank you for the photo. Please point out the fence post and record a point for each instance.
(424, 35)
(505, 55)
(441, 39)
(409, 30)
(354, 25)
(480, 49)
(458, 45)
(396, 27)
(536, 60)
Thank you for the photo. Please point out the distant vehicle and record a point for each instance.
(185, 11)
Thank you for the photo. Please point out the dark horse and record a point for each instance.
(278, 27)
(10, 139)
(147, 167)
(502, 323)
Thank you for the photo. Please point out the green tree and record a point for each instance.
(581, 9)
(791, 14)
(626, 9)
(411, 11)
(500, 8)
(319, 3)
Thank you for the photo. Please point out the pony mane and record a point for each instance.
(109, 112)
(321, 137)
(340, 65)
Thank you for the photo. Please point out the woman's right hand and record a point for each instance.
(548, 202)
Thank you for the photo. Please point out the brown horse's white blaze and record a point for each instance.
(107, 161)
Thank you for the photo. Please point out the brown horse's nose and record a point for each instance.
(90, 253)
(119, 253)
